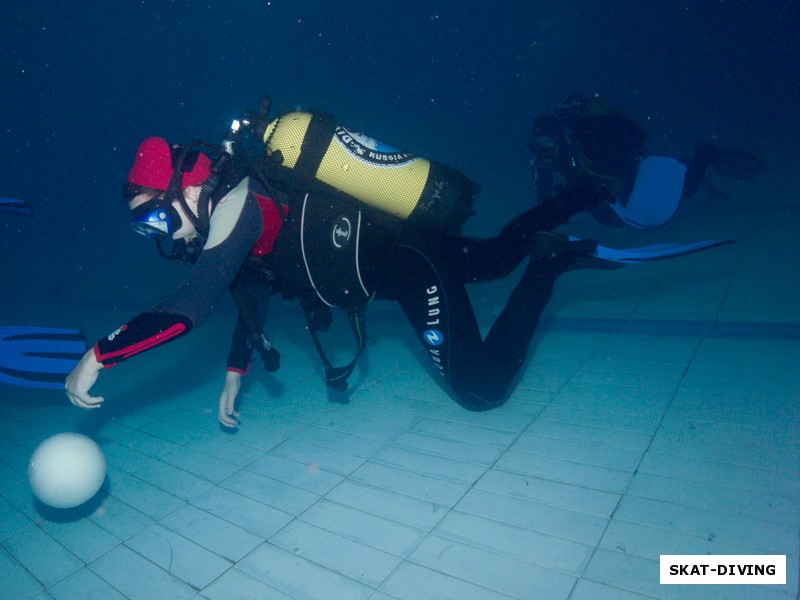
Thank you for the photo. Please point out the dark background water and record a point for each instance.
(84, 82)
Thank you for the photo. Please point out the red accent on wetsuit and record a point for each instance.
(160, 338)
(271, 225)
(238, 370)
(141, 333)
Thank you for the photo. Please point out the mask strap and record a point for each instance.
(175, 190)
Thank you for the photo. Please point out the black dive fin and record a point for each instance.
(713, 190)
(39, 357)
(736, 164)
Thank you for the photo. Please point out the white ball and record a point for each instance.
(66, 470)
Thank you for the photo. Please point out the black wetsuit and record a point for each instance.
(425, 274)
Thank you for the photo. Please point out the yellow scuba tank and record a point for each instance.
(311, 152)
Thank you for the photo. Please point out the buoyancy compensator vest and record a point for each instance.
(336, 248)
(349, 199)
(331, 252)
(310, 152)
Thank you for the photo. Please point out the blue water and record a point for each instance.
(457, 81)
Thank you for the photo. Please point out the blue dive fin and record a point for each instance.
(656, 193)
(654, 252)
(15, 206)
(39, 357)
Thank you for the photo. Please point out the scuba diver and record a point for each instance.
(585, 140)
(283, 222)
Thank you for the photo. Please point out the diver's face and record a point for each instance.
(186, 230)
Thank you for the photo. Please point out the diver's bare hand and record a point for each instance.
(227, 415)
(81, 380)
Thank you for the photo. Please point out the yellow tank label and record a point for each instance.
(286, 134)
(382, 176)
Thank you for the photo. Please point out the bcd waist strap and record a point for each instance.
(336, 377)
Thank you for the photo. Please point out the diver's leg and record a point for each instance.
(478, 371)
(475, 260)
(439, 310)
(486, 385)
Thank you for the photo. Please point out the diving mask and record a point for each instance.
(156, 219)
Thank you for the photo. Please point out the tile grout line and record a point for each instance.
(624, 493)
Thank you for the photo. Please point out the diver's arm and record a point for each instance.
(143, 332)
(235, 227)
(232, 236)
(241, 350)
